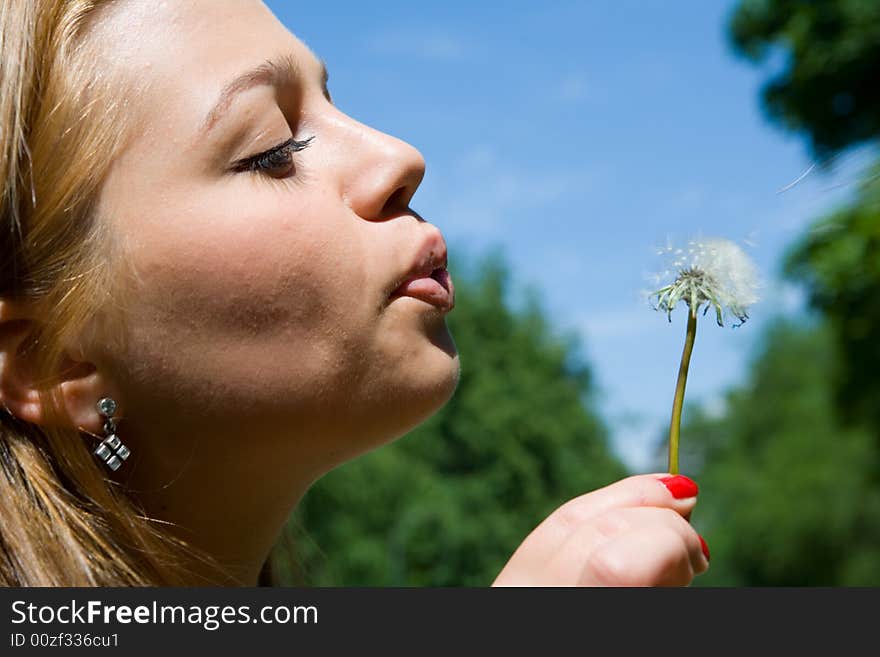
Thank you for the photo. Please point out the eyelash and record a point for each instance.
(268, 161)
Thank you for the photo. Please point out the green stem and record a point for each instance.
(678, 402)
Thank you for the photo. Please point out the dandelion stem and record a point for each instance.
(675, 424)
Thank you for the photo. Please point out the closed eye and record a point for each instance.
(277, 162)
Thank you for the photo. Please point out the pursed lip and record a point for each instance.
(430, 257)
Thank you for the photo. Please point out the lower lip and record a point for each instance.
(430, 290)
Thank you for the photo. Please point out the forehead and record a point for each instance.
(175, 57)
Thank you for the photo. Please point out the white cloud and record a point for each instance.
(692, 198)
(623, 322)
(573, 88)
(715, 407)
(430, 46)
(491, 193)
(636, 441)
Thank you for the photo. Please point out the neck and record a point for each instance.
(231, 505)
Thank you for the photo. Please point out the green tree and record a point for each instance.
(828, 90)
(793, 471)
(787, 491)
(827, 87)
(449, 503)
(839, 261)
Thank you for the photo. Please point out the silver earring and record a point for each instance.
(111, 450)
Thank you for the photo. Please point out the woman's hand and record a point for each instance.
(634, 532)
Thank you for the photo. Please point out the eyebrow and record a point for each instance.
(279, 72)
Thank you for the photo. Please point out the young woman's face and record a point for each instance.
(260, 294)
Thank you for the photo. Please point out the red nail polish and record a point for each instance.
(680, 486)
(704, 546)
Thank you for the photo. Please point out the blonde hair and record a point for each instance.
(62, 521)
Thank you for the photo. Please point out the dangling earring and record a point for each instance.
(111, 450)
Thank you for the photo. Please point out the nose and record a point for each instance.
(383, 172)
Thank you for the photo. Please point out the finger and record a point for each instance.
(636, 491)
(651, 556)
(655, 490)
(594, 537)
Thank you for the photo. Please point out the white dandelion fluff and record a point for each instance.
(713, 271)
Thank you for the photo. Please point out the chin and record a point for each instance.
(402, 386)
(428, 391)
(405, 405)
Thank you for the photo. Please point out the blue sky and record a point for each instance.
(578, 136)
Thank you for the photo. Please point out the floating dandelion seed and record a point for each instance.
(715, 272)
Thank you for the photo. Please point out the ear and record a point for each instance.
(77, 381)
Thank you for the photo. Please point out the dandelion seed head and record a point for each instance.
(713, 272)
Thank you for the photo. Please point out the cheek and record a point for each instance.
(237, 283)
(244, 308)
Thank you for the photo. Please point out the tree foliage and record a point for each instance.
(791, 475)
(450, 502)
(827, 87)
(839, 262)
(829, 91)
(788, 496)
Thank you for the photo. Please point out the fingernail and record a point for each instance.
(680, 486)
(704, 546)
